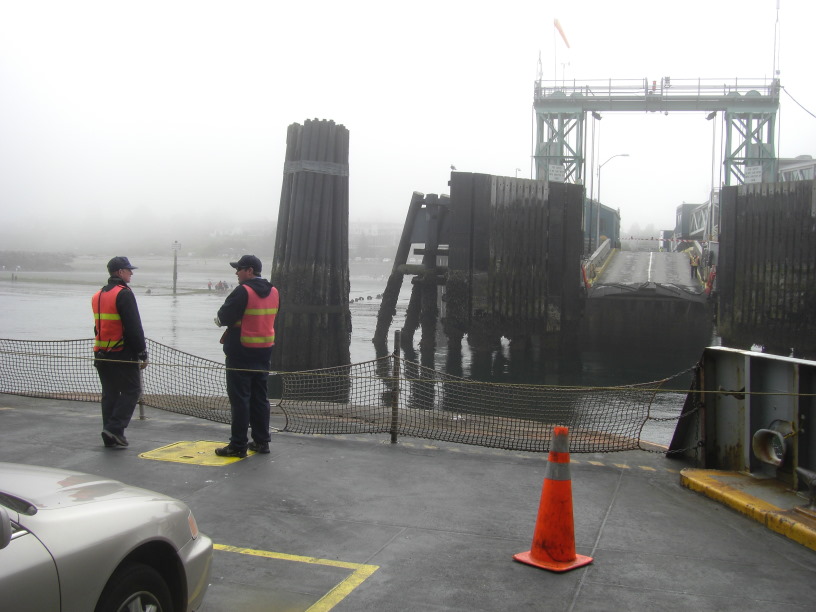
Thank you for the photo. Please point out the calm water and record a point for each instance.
(56, 306)
(183, 321)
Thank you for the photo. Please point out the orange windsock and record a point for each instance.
(557, 25)
(554, 537)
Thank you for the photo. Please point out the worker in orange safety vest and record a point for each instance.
(249, 315)
(119, 350)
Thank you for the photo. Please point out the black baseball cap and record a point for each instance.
(248, 261)
(119, 263)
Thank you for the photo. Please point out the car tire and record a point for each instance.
(135, 586)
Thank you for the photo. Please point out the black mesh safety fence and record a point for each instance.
(386, 395)
(391, 395)
(63, 369)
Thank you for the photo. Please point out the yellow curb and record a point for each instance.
(727, 488)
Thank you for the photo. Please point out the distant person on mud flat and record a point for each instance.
(119, 350)
(249, 315)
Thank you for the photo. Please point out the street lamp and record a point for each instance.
(598, 211)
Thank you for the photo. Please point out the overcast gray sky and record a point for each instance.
(174, 113)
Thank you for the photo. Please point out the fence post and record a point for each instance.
(395, 387)
(142, 416)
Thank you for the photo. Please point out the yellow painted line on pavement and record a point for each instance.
(359, 573)
(529, 456)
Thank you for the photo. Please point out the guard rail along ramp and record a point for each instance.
(387, 395)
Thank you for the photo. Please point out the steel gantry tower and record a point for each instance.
(749, 108)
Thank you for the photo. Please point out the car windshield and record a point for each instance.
(17, 504)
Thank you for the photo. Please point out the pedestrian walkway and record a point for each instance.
(351, 523)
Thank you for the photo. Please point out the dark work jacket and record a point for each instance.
(238, 355)
(135, 346)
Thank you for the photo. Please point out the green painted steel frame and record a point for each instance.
(749, 108)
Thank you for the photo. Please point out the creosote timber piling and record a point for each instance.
(310, 267)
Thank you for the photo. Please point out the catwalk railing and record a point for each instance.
(388, 395)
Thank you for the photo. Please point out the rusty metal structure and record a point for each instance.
(751, 412)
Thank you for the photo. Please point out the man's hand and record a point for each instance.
(217, 322)
(143, 364)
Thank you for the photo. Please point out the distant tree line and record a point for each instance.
(40, 262)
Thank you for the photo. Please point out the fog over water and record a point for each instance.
(131, 124)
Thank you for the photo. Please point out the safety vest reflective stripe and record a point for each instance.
(108, 322)
(258, 339)
(107, 344)
(258, 322)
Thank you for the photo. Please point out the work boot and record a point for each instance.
(108, 440)
(117, 439)
(231, 451)
(259, 447)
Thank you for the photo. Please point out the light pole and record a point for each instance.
(598, 211)
(517, 171)
(176, 247)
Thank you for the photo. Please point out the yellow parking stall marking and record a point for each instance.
(332, 598)
(647, 468)
(622, 466)
(595, 463)
(200, 452)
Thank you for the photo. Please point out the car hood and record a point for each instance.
(50, 488)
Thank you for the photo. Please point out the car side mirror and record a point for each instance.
(5, 528)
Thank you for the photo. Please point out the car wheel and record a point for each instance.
(135, 588)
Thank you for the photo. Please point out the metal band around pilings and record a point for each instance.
(305, 165)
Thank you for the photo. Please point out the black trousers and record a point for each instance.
(249, 403)
(121, 388)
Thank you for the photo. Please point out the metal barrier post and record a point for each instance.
(395, 371)
(141, 396)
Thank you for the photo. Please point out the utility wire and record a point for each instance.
(800, 106)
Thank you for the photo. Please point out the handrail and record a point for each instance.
(666, 87)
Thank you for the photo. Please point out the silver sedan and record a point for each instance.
(73, 542)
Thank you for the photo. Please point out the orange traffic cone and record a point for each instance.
(554, 538)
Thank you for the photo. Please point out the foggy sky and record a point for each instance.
(125, 119)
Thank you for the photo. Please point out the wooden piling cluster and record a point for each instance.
(310, 268)
(515, 257)
(766, 273)
(513, 250)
